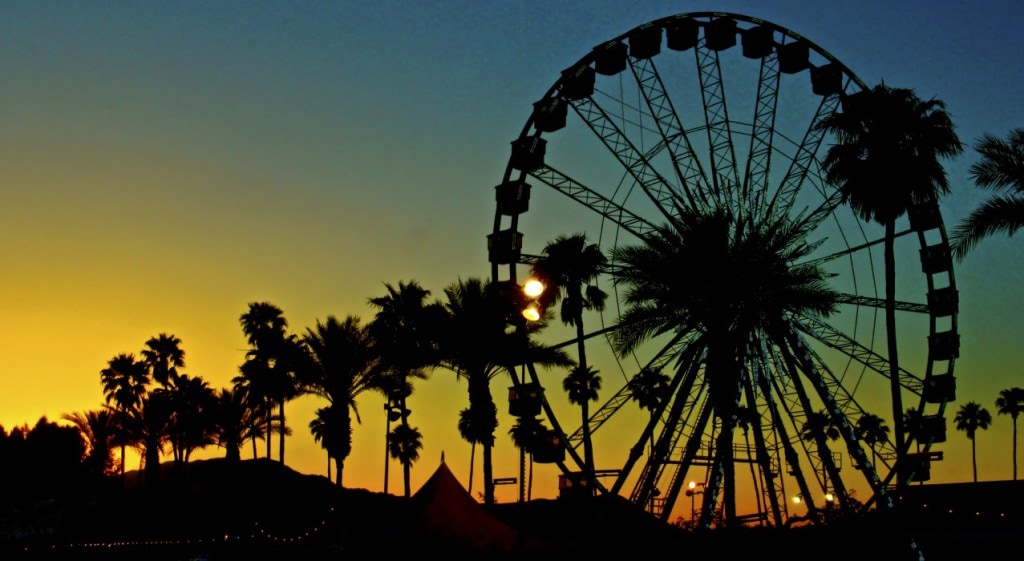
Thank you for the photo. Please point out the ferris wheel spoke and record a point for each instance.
(839, 412)
(687, 166)
(632, 160)
(593, 200)
(724, 173)
(800, 165)
(759, 156)
(845, 344)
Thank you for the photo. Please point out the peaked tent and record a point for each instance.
(449, 513)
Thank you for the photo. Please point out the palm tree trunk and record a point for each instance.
(522, 474)
(488, 476)
(280, 438)
(1015, 448)
(974, 459)
(894, 363)
(588, 446)
(472, 459)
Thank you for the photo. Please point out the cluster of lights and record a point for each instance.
(257, 534)
(532, 289)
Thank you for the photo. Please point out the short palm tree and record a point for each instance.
(582, 385)
(886, 160)
(124, 386)
(1000, 170)
(97, 427)
(1011, 402)
(235, 422)
(970, 418)
(330, 429)
(872, 430)
(341, 365)
(404, 445)
(526, 433)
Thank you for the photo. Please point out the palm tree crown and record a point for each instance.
(1000, 170)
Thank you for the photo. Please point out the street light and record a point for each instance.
(533, 288)
(693, 505)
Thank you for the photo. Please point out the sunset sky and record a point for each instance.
(165, 164)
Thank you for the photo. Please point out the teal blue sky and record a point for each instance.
(164, 164)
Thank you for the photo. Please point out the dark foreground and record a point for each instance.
(261, 510)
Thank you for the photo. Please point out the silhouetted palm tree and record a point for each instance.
(568, 268)
(341, 366)
(477, 345)
(887, 159)
(1011, 402)
(751, 286)
(124, 386)
(469, 433)
(235, 422)
(582, 385)
(163, 356)
(872, 430)
(403, 332)
(1001, 170)
(99, 431)
(271, 361)
(526, 433)
(970, 418)
(648, 388)
(334, 435)
(191, 424)
(404, 445)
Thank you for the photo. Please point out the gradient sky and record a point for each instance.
(165, 164)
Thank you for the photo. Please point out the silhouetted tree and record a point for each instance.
(753, 280)
(872, 430)
(1011, 402)
(124, 386)
(476, 343)
(1000, 170)
(191, 423)
(235, 422)
(404, 445)
(403, 334)
(163, 357)
(885, 160)
(97, 427)
(270, 367)
(569, 267)
(526, 434)
(970, 418)
(342, 365)
(334, 434)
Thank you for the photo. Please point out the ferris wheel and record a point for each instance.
(715, 112)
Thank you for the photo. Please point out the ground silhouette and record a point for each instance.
(260, 509)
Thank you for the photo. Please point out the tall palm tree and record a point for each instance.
(341, 366)
(1011, 402)
(569, 267)
(970, 418)
(887, 159)
(753, 281)
(1001, 170)
(403, 334)
(163, 356)
(872, 430)
(124, 386)
(271, 362)
(476, 344)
